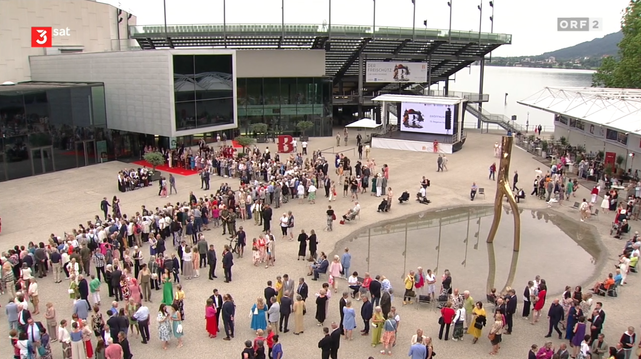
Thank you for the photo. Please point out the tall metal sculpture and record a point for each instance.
(503, 189)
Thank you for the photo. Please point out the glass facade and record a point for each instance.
(203, 91)
(282, 102)
(50, 129)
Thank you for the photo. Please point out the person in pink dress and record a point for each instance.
(134, 290)
(335, 269)
(210, 317)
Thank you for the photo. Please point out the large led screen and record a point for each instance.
(427, 118)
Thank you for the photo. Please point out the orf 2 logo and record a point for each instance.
(41, 36)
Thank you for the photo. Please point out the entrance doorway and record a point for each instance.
(86, 153)
(42, 160)
(4, 176)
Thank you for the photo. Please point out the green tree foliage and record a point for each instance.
(303, 126)
(260, 128)
(155, 159)
(244, 141)
(624, 72)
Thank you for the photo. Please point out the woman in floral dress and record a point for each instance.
(164, 326)
(124, 287)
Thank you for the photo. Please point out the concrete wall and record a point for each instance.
(280, 63)
(92, 28)
(139, 86)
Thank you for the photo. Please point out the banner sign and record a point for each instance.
(379, 71)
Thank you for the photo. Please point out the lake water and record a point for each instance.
(455, 239)
(519, 83)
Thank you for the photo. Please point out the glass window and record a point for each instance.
(81, 106)
(255, 92)
(59, 106)
(301, 91)
(99, 109)
(203, 87)
(272, 91)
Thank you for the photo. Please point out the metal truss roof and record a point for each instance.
(343, 43)
(619, 109)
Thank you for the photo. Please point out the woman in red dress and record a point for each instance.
(540, 302)
(210, 317)
(86, 337)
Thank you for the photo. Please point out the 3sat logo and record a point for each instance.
(43, 36)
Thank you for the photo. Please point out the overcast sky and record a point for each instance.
(533, 24)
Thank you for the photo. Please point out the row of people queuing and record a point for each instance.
(131, 179)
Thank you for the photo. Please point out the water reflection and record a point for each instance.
(441, 239)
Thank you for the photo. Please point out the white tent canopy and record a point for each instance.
(365, 123)
(619, 109)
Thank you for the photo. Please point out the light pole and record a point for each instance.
(164, 6)
(374, 21)
(414, 19)
(282, 20)
(225, 22)
(449, 31)
(491, 23)
(480, 7)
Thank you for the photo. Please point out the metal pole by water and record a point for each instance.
(225, 22)
(481, 91)
(480, 20)
(282, 18)
(164, 6)
(374, 21)
(329, 29)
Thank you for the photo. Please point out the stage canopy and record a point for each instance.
(418, 99)
(366, 123)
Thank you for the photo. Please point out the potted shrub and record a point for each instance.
(244, 141)
(563, 140)
(600, 155)
(620, 159)
(154, 159)
(544, 149)
(260, 129)
(303, 126)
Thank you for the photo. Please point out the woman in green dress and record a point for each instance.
(73, 288)
(374, 179)
(167, 289)
(377, 331)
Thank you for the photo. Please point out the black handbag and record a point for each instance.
(440, 320)
(478, 325)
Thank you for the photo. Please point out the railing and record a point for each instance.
(314, 30)
(500, 120)
(491, 126)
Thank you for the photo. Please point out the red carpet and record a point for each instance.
(235, 144)
(174, 170)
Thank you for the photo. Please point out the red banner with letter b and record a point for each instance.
(285, 144)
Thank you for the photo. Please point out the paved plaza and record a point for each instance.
(33, 208)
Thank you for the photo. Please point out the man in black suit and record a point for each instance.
(285, 311)
(321, 268)
(23, 318)
(510, 309)
(302, 290)
(375, 290)
(115, 284)
(211, 260)
(104, 206)
(267, 217)
(114, 325)
(336, 340)
(555, 315)
(229, 312)
(366, 313)
(228, 262)
(218, 304)
(386, 302)
(325, 344)
(597, 320)
(620, 352)
(341, 304)
(269, 293)
(124, 343)
(83, 289)
(327, 183)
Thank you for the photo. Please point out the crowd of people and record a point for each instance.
(131, 179)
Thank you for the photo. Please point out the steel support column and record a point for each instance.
(361, 74)
(478, 124)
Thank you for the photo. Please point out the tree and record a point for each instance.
(260, 128)
(244, 141)
(624, 72)
(154, 159)
(303, 126)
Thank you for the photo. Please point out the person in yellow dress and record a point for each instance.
(409, 288)
(377, 331)
(179, 300)
(479, 318)
(279, 288)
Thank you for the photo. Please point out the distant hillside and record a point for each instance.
(606, 45)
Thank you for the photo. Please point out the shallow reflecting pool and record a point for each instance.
(558, 249)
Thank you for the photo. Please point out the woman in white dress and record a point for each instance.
(188, 267)
(605, 204)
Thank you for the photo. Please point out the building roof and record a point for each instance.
(343, 44)
(22, 88)
(418, 99)
(619, 109)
